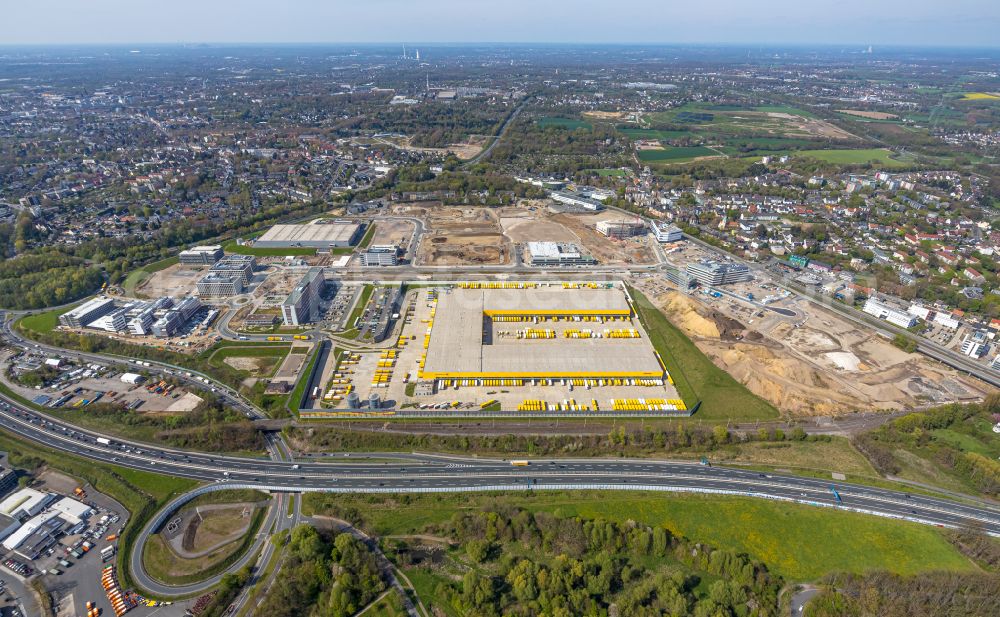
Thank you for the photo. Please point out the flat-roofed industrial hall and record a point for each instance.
(318, 235)
(538, 333)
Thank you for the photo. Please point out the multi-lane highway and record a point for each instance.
(440, 474)
(429, 473)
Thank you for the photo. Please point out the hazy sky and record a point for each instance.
(905, 22)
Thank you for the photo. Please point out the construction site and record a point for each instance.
(519, 346)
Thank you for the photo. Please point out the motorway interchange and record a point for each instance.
(430, 473)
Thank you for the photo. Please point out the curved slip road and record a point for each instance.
(429, 474)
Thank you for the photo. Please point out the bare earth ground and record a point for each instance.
(872, 115)
(826, 366)
(176, 280)
(462, 236)
(605, 115)
(397, 233)
(604, 249)
(465, 151)
(188, 402)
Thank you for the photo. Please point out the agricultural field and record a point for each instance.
(980, 96)
(880, 156)
(673, 154)
(718, 122)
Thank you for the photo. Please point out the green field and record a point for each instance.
(608, 173)
(269, 357)
(696, 377)
(563, 123)
(44, 322)
(796, 541)
(635, 133)
(880, 156)
(232, 247)
(675, 154)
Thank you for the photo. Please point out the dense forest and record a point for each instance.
(525, 563)
(329, 575)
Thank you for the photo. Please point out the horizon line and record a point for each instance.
(771, 44)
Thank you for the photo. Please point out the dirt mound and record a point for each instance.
(683, 314)
(789, 384)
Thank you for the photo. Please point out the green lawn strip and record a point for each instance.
(367, 239)
(366, 295)
(141, 492)
(798, 542)
(154, 556)
(694, 374)
(236, 495)
(257, 593)
(300, 386)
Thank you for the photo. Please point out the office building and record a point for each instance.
(895, 316)
(230, 276)
(667, 233)
(380, 255)
(241, 266)
(144, 316)
(302, 305)
(87, 312)
(201, 255)
(713, 273)
(558, 254)
(577, 199)
(174, 319)
(219, 285)
(622, 228)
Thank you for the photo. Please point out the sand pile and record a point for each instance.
(681, 311)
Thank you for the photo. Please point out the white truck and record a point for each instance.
(104, 441)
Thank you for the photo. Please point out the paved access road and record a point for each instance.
(448, 474)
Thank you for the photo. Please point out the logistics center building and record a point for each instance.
(319, 235)
(538, 333)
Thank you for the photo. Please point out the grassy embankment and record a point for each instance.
(696, 377)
